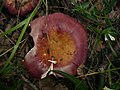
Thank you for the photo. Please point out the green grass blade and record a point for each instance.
(109, 5)
(14, 28)
(80, 85)
(9, 49)
(116, 86)
(113, 51)
(101, 81)
(1, 6)
(2, 86)
(20, 37)
(109, 75)
(98, 37)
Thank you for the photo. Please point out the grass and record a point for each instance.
(26, 22)
(102, 66)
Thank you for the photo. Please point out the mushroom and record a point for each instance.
(57, 37)
(20, 7)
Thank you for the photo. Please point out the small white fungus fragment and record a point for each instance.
(110, 36)
(106, 88)
(49, 69)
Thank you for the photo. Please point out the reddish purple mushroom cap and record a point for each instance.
(20, 7)
(57, 36)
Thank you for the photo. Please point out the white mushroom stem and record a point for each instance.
(54, 62)
(49, 69)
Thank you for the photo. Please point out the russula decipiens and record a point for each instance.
(57, 37)
(20, 7)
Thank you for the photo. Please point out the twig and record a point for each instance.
(29, 83)
(7, 37)
(10, 49)
(46, 8)
(94, 73)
